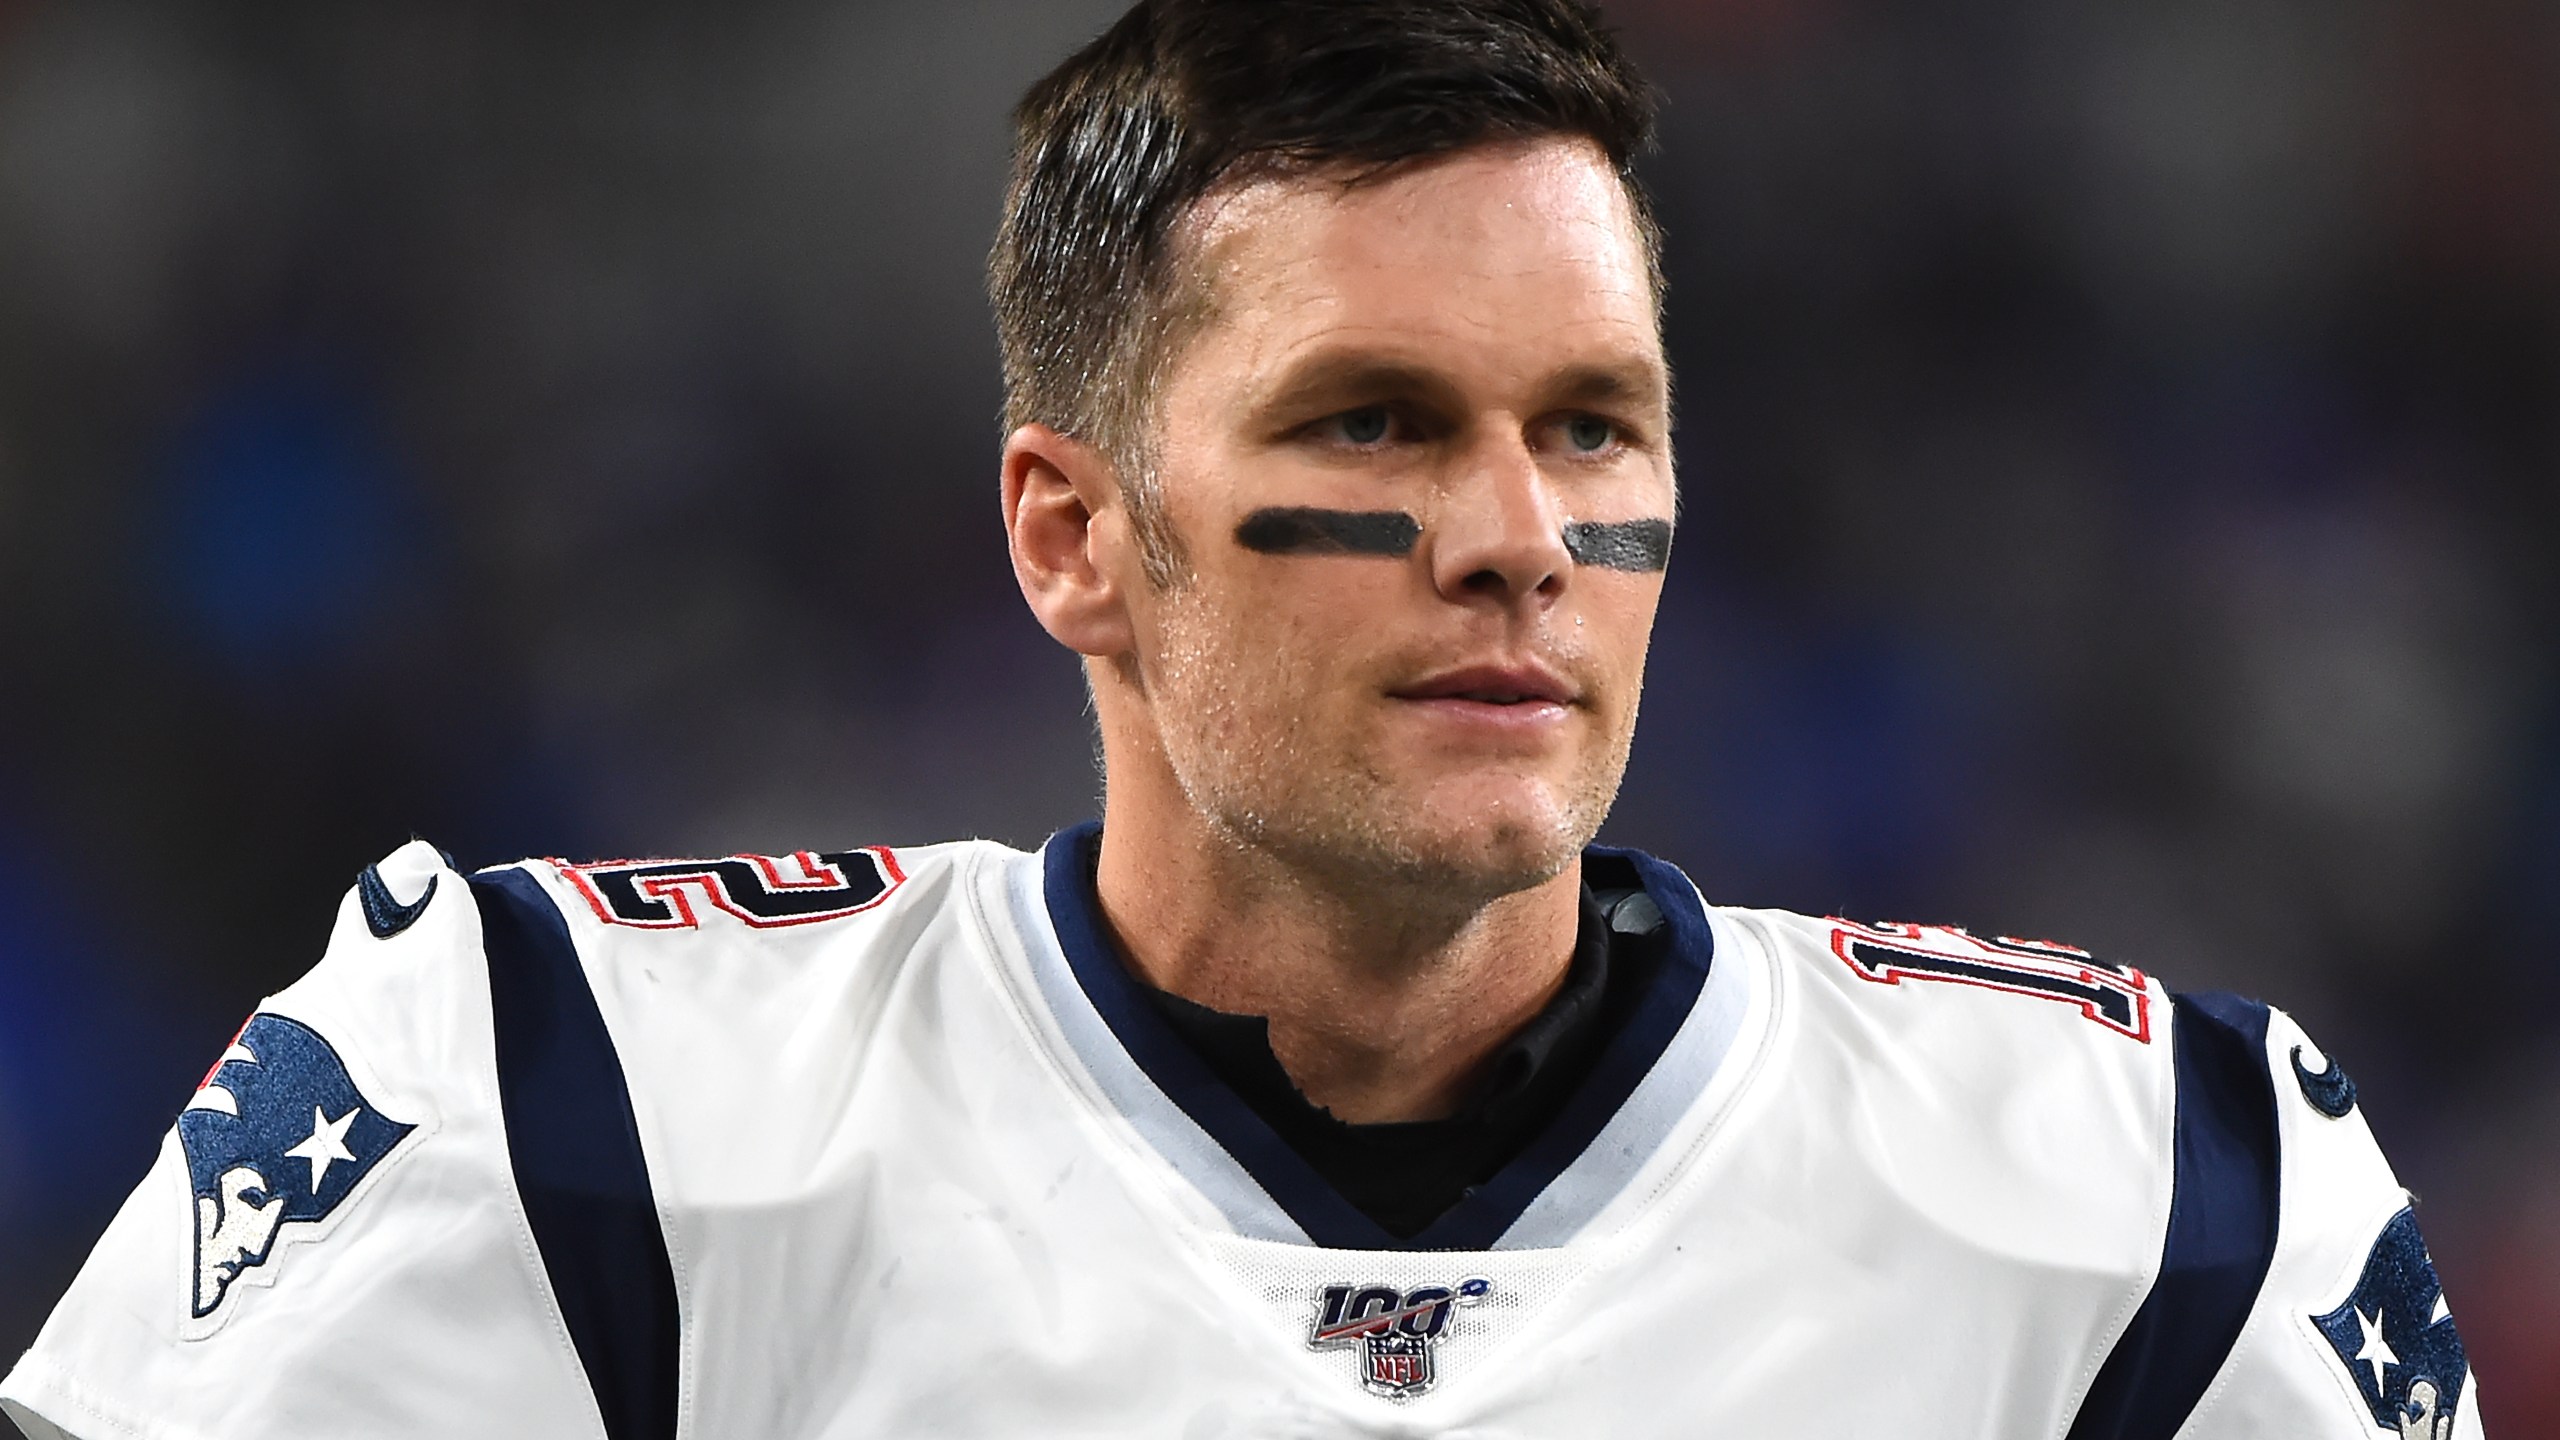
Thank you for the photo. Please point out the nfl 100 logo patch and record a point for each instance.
(1393, 1329)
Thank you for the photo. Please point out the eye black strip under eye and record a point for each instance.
(1307, 531)
(1619, 544)
(1638, 545)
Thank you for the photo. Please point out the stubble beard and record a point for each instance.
(1309, 809)
(1337, 838)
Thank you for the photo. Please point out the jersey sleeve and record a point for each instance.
(2350, 1335)
(330, 1241)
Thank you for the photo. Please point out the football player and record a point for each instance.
(1334, 1083)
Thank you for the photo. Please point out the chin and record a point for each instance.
(1468, 853)
(1502, 859)
(1533, 846)
(1462, 837)
(1528, 822)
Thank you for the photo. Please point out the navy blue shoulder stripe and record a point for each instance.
(2222, 1227)
(576, 1152)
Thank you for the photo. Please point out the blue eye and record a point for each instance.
(1365, 426)
(1589, 434)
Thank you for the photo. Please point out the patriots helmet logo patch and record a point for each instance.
(276, 1135)
(2397, 1338)
(1393, 1330)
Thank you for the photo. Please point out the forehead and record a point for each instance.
(1496, 257)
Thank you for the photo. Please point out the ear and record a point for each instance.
(1069, 535)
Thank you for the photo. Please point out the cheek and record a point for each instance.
(1316, 610)
(1289, 661)
(1616, 632)
(1234, 654)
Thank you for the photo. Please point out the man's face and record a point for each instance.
(1469, 342)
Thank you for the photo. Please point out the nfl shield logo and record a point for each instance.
(1399, 1364)
(1393, 1329)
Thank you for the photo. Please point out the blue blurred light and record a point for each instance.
(1816, 764)
(88, 1076)
(285, 526)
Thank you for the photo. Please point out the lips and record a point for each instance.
(1506, 685)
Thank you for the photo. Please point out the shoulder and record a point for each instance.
(1976, 1013)
(2020, 1092)
(2203, 1139)
(787, 899)
(442, 1139)
(337, 1187)
(2347, 1329)
(672, 1036)
(426, 964)
(690, 988)
(702, 1013)
(740, 933)
(757, 892)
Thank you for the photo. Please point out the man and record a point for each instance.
(1333, 1084)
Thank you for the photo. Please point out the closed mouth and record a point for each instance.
(1506, 685)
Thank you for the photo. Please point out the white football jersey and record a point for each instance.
(887, 1143)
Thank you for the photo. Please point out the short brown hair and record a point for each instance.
(1115, 146)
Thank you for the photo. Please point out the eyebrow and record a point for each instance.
(1640, 381)
(1329, 377)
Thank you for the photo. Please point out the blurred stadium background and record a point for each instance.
(2121, 442)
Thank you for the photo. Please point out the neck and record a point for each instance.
(1381, 1006)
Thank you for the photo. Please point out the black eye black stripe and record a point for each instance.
(1306, 531)
(1620, 544)
(1639, 545)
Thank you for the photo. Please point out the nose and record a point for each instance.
(1499, 532)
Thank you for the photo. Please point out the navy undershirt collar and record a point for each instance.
(1404, 1175)
(1644, 1023)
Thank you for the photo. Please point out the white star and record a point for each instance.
(2376, 1351)
(328, 1143)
